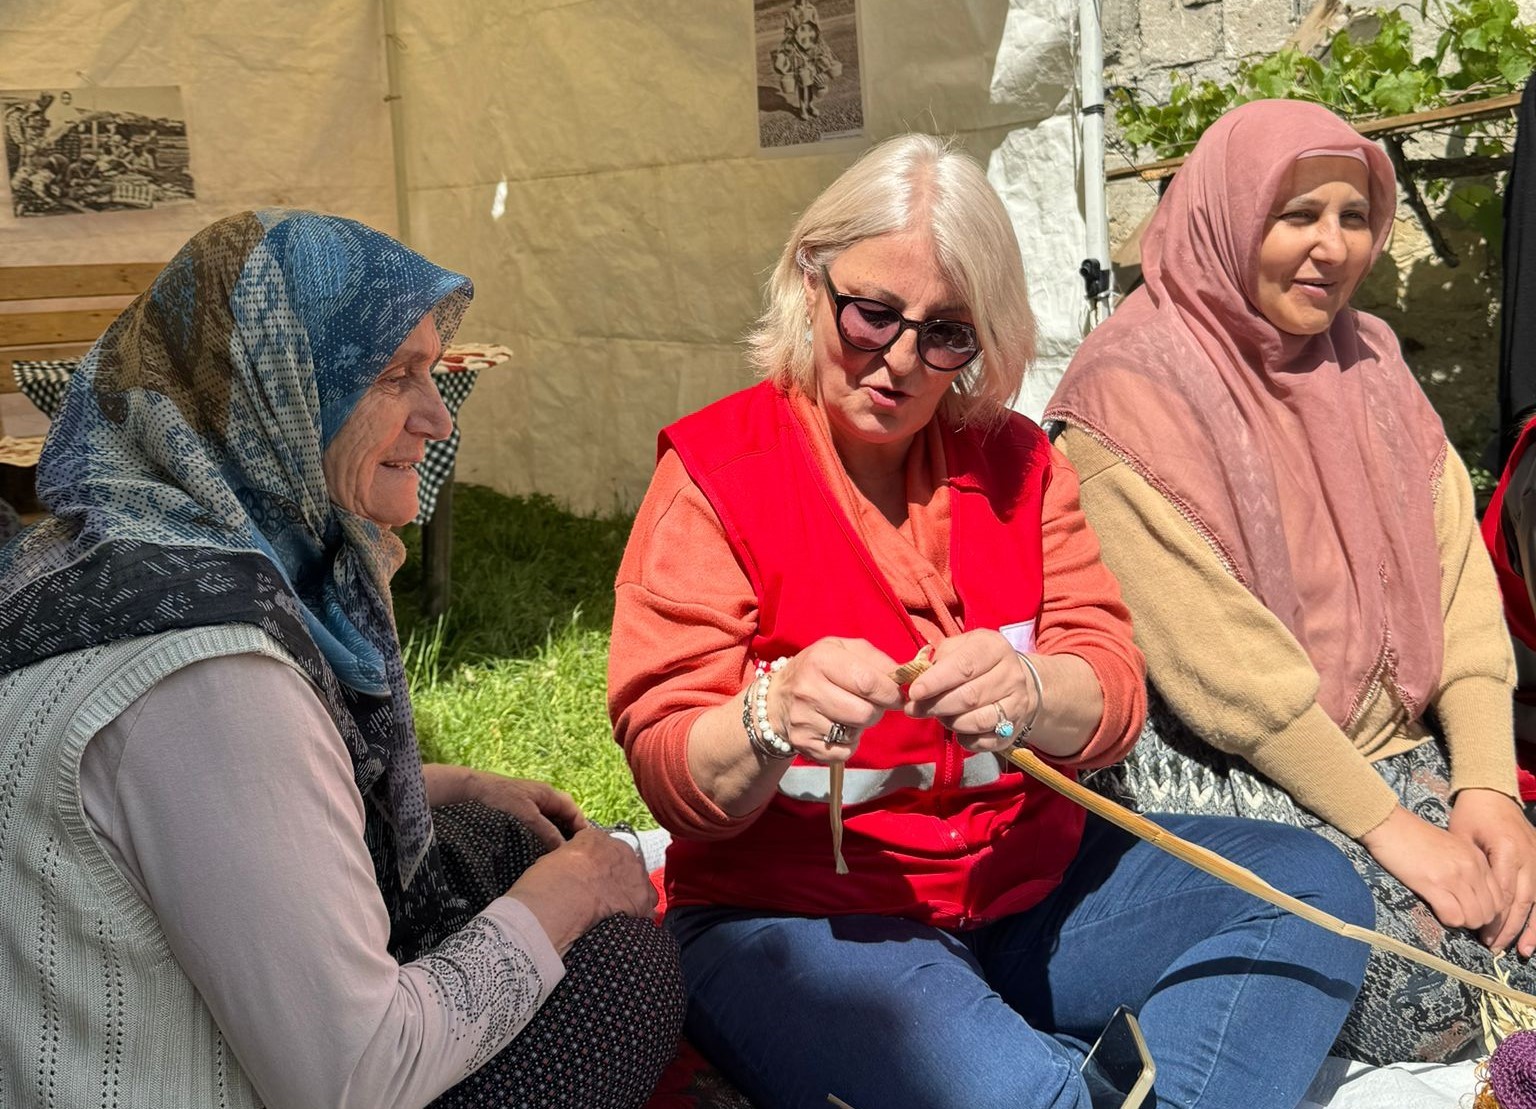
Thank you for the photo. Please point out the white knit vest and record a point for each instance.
(94, 1009)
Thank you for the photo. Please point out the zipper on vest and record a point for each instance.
(953, 762)
(950, 762)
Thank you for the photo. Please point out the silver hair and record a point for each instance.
(907, 183)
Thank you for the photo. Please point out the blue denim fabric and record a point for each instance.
(1239, 1001)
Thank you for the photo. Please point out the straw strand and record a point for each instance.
(902, 675)
(1244, 879)
(838, 864)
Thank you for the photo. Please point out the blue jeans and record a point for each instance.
(1238, 1000)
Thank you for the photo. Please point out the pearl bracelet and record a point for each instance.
(754, 714)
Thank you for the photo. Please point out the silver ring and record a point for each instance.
(837, 735)
(1003, 729)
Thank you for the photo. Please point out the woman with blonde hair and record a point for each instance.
(962, 932)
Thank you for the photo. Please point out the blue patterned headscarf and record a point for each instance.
(184, 482)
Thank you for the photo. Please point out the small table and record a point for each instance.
(457, 371)
(455, 375)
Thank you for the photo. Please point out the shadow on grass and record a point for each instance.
(523, 568)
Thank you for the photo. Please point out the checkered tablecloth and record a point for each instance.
(437, 464)
(45, 383)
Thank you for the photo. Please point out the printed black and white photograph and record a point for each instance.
(808, 87)
(95, 149)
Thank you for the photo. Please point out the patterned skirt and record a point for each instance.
(1405, 1012)
(604, 1035)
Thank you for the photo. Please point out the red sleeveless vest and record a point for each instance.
(946, 838)
(1517, 600)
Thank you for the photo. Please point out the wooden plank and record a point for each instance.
(96, 280)
(1128, 253)
(1389, 125)
(1454, 113)
(36, 328)
(1147, 171)
(42, 353)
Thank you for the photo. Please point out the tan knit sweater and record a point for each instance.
(1234, 673)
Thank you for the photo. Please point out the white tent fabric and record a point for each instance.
(1035, 170)
(284, 105)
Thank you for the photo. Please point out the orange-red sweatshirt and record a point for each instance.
(686, 612)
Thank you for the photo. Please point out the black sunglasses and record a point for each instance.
(872, 325)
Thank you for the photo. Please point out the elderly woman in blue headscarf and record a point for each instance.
(228, 878)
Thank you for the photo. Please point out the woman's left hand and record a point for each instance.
(976, 682)
(549, 813)
(1497, 827)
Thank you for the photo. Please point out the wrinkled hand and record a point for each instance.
(972, 675)
(1447, 871)
(587, 879)
(1494, 824)
(833, 681)
(547, 812)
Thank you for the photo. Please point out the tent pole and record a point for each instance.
(392, 48)
(1097, 277)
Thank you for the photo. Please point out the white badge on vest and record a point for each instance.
(1021, 637)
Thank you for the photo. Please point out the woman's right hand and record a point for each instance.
(1447, 872)
(589, 878)
(833, 681)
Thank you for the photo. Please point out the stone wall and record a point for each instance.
(1446, 318)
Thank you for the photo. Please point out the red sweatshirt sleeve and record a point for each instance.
(1083, 615)
(683, 616)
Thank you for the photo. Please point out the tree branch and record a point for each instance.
(1415, 201)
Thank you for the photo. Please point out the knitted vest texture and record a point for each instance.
(946, 839)
(94, 1008)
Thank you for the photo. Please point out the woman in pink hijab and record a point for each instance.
(1297, 544)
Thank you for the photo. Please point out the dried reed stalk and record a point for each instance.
(908, 672)
(1246, 880)
(838, 864)
(1500, 1018)
(902, 675)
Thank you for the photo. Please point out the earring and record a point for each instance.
(807, 337)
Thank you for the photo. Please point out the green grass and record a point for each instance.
(513, 677)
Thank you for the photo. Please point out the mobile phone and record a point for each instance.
(1119, 1070)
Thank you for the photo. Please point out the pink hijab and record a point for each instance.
(1309, 463)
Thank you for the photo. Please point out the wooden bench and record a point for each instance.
(52, 312)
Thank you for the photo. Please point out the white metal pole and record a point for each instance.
(1090, 50)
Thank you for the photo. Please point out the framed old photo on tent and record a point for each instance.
(809, 77)
(95, 149)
